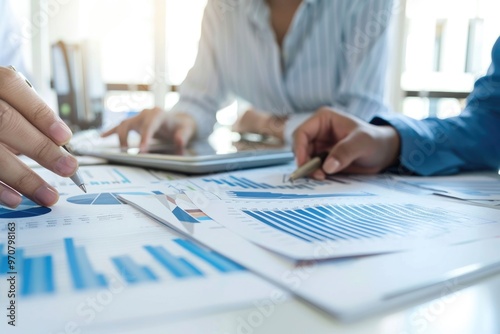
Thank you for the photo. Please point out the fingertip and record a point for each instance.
(66, 165)
(60, 132)
(108, 132)
(331, 165)
(123, 137)
(46, 195)
(300, 156)
(182, 136)
(10, 198)
(318, 175)
(179, 140)
(144, 144)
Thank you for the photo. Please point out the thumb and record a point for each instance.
(343, 154)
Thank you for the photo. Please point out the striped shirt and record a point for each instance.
(12, 39)
(334, 54)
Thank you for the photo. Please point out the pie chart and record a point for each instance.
(101, 198)
(26, 209)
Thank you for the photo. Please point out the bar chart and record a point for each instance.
(36, 272)
(180, 259)
(349, 222)
(101, 176)
(182, 208)
(115, 177)
(279, 195)
(247, 183)
(275, 184)
(324, 228)
(480, 188)
(82, 273)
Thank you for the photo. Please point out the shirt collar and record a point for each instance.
(258, 11)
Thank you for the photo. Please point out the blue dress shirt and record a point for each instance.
(334, 54)
(470, 141)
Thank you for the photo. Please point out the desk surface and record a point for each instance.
(474, 309)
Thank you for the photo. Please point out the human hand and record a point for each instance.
(177, 128)
(28, 126)
(354, 146)
(256, 121)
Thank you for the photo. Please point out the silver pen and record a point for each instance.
(76, 178)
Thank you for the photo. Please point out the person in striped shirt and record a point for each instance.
(286, 58)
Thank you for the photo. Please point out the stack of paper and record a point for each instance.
(281, 230)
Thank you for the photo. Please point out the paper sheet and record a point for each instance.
(92, 260)
(346, 288)
(345, 216)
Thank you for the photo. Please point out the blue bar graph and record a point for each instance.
(131, 272)
(177, 266)
(115, 177)
(37, 273)
(37, 276)
(349, 222)
(271, 195)
(183, 216)
(217, 261)
(243, 182)
(81, 269)
(465, 187)
(124, 179)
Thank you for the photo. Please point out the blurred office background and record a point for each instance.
(142, 50)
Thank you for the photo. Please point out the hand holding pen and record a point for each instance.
(353, 145)
(28, 126)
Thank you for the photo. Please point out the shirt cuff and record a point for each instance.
(419, 152)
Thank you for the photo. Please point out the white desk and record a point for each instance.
(474, 309)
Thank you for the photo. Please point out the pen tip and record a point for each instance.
(82, 186)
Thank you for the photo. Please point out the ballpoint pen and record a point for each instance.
(308, 167)
(76, 178)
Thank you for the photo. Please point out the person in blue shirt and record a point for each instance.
(431, 146)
